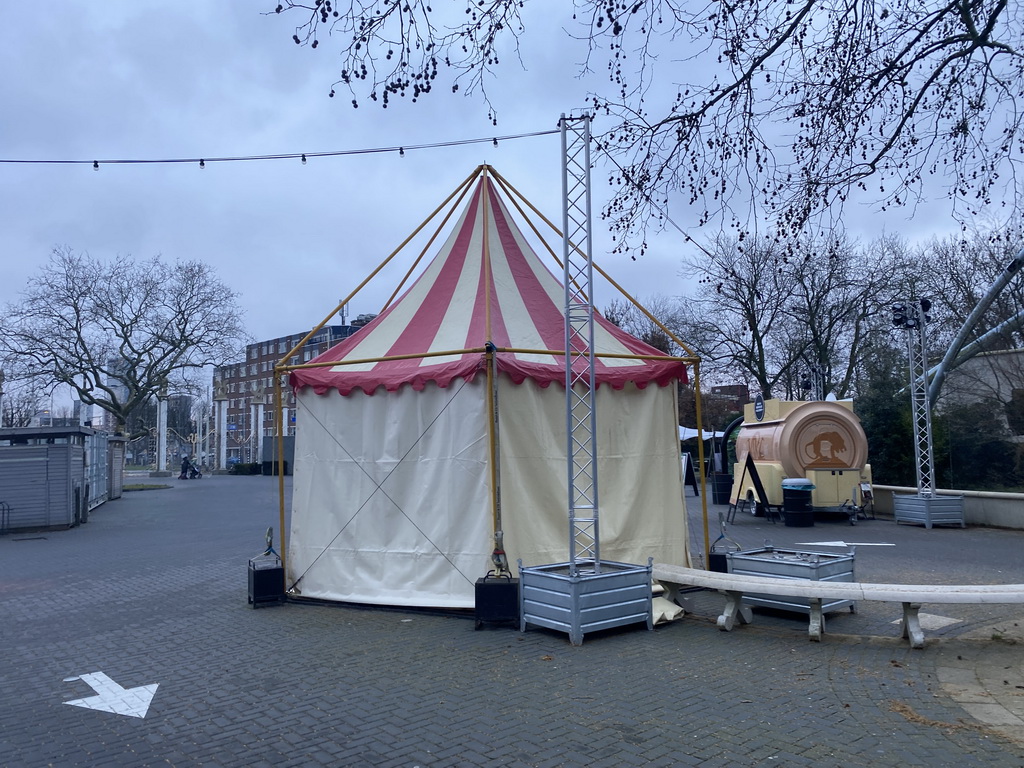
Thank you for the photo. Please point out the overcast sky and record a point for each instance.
(159, 79)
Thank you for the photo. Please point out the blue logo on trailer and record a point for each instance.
(759, 407)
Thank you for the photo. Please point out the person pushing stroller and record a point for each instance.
(189, 470)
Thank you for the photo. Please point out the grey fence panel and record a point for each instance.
(115, 466)
(25, 486)
(97, 469)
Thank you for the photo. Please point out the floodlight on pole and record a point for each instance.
(913, 317)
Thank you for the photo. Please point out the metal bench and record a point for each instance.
(675, 578)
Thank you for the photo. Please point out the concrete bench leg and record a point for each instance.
(912, 625)
(673, 593)
(816, 625)
(734, 611)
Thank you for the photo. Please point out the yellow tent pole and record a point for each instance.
(453, 352)
(410, 356)
(492, 395)
(461, 190)
(465, 187)
(664, 329)
(603, 274)
(282, 364)
(700, 462)
(485, 193)
(278, 423)
(692, 359)
(380, 266)
(492, 440)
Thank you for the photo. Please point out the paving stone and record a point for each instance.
(153, 590)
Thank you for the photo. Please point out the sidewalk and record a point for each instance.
(152, 591)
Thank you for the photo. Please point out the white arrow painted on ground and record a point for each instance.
(843, 544)
(111, 697)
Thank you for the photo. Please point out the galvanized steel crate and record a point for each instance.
(551, 596)
(793, 564)
(928, 510)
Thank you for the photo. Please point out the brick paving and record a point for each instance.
(153, 590)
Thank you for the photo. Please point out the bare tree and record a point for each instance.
(959, 270)
(772, 317)
(668, 313)
(119, 333)
(747, 108)
(21, 401)
(838, 292)
(735, 320)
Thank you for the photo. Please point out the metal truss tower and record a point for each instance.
(583, 594)
(581, 423)
(913, 318)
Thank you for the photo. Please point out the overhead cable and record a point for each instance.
(302, 156)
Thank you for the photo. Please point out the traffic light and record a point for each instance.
(899, 315)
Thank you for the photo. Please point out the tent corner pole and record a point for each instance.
(700, 461)
(279, 428)
(492, 439)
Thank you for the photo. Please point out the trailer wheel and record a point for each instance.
(753, 505)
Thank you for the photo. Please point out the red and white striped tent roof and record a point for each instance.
(486, 284)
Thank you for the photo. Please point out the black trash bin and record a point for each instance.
(796, 503)
(721, 487)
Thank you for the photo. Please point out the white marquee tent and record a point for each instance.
(443, 420)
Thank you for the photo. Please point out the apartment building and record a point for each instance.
(244, 392)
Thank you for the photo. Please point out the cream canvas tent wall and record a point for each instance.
(444, 419)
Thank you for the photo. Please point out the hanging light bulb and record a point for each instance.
(95, 165)
(401, 151)
(495, 140)
(303, 159)
(202, 163)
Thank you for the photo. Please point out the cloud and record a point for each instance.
(90, 80)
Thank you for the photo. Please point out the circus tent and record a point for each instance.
(444, 420)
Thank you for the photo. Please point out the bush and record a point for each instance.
(245, 469)
(973, 450)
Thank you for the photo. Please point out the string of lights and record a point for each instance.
(303, 156)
